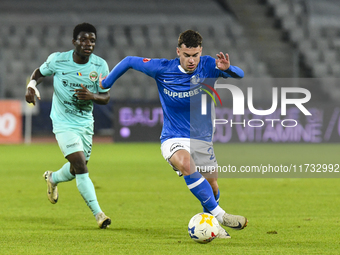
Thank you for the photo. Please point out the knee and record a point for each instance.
(78, 163)
(184, 166)
(183, 162)
(79, 167)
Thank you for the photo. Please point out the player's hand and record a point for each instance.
(30, 96)
(222, 61)
(100, 81)
(84, 93)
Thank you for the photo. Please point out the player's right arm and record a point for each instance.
(145, 65)
(31, 90)
(46, 69)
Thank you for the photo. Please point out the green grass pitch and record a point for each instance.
(150, 206)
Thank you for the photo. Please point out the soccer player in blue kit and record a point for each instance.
(186, 139)
(76, 76)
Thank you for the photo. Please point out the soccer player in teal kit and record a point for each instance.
(75, 80)
(187, 134)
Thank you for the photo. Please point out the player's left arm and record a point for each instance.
(145, 65)
(98, 98)
(223, 64)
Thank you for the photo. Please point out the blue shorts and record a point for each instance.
(72, 141)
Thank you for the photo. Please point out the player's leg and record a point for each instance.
(77, 150)
(84, 183)
(222, 233)
(177, 153)
(53, 178)
(86, 187)
(64, 173)
(197, 184)
(229, 220)
(204, 157)
(214, 185)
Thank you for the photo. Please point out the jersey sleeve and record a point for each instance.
(104, 71)
(145, 65)
(232, 71)
(48, 67)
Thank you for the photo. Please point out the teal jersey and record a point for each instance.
(67, 111)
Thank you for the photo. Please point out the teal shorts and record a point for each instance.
(72, 141)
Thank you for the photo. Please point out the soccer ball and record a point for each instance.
(203, 228)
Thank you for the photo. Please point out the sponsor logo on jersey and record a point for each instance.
(65, 83)
(145, 60)
(183, 94)
(93, 76)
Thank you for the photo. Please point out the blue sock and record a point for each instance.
(217, 198)
(201, 188)
(63, 174)
(86, 189)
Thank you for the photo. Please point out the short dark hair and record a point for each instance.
(190, 38)
(83, 27)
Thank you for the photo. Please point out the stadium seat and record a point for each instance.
(282, 9)
(320, 70)
(297, 34)
(322, 43)
(329, 56)
(147, 33)
(289, 22)
(119, 37)
(335, 69)
(312, 57)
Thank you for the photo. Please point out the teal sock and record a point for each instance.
(86, 189)
(63, 174)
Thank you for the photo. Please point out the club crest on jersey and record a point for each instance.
(93, 76)
(195, 79)
(146, 60)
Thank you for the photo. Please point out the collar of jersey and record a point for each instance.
(183, 71)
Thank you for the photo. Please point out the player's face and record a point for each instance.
(84, 45)
(189, 57)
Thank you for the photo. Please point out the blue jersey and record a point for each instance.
(179, 92)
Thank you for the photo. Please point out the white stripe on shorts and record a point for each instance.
(196, 183)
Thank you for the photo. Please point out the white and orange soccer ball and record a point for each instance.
(203, 228)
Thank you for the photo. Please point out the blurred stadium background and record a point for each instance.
(266, 38)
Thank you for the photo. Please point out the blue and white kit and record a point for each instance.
(179, 93)
(184, 125)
